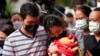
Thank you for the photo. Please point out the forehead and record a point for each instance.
(16, 15)
(31, 18)
(54, 28)
(94, 15)
(79, 13)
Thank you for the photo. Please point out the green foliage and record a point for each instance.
(64, 2)
(8, 9)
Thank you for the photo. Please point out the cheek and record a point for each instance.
(2, 37)
(61, 31)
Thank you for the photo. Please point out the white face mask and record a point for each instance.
(94, 26)
(81, 24)
(17, 24)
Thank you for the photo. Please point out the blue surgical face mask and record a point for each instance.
(17, 24)
(94, 26)
(81, 24)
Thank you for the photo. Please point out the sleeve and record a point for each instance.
(80, 38)
(8, 48)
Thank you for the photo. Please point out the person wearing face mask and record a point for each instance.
(16, 20)
(93, 41)
(30, 39)
(2, 37)
(4, 32)
(81, 19)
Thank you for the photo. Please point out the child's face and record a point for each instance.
(2, 35)
(55, 31)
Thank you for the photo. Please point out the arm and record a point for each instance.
(80, 38)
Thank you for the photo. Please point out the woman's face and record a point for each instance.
(55, 31)
(81, 20)
(2, 35)
(79, 15)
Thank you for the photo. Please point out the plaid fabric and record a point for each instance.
(18, 44)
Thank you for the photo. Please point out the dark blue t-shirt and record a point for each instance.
(92, 45)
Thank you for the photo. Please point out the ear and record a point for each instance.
(21, 20)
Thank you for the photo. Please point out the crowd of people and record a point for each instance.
(36, 33)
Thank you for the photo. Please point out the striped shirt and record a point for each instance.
(18, 44)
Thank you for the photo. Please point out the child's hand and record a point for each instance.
(53, 49)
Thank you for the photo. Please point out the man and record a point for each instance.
(93, 42)
(70, 20)
(30, 40)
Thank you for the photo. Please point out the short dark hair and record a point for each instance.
(52, 20)
(97, 9)
(15, 13)
(5, 21)
(7, 29)
(29, 9)
(85, 9)
(41, 18)
(69, 14)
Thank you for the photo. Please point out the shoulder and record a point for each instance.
(13, 35)
(78, 33)
(90, 37)
(74, 31)
(41, 30)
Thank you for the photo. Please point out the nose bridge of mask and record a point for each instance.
(94, 26)
(32, 27)
(80, 23)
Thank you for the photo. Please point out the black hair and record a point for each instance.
(52, 20)
(29, 9)
(97, 9)
(5, 21)
(41, 18)
(85, 10)
(69, 14)
(15, 13)
(7, 29)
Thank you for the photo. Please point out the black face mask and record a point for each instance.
(1, 43)
(31, 28)
(64, 34)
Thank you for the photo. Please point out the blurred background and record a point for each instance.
(7, 7)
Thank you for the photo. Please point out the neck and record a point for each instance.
(25, 32)
(97, 36)
(86, 32)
